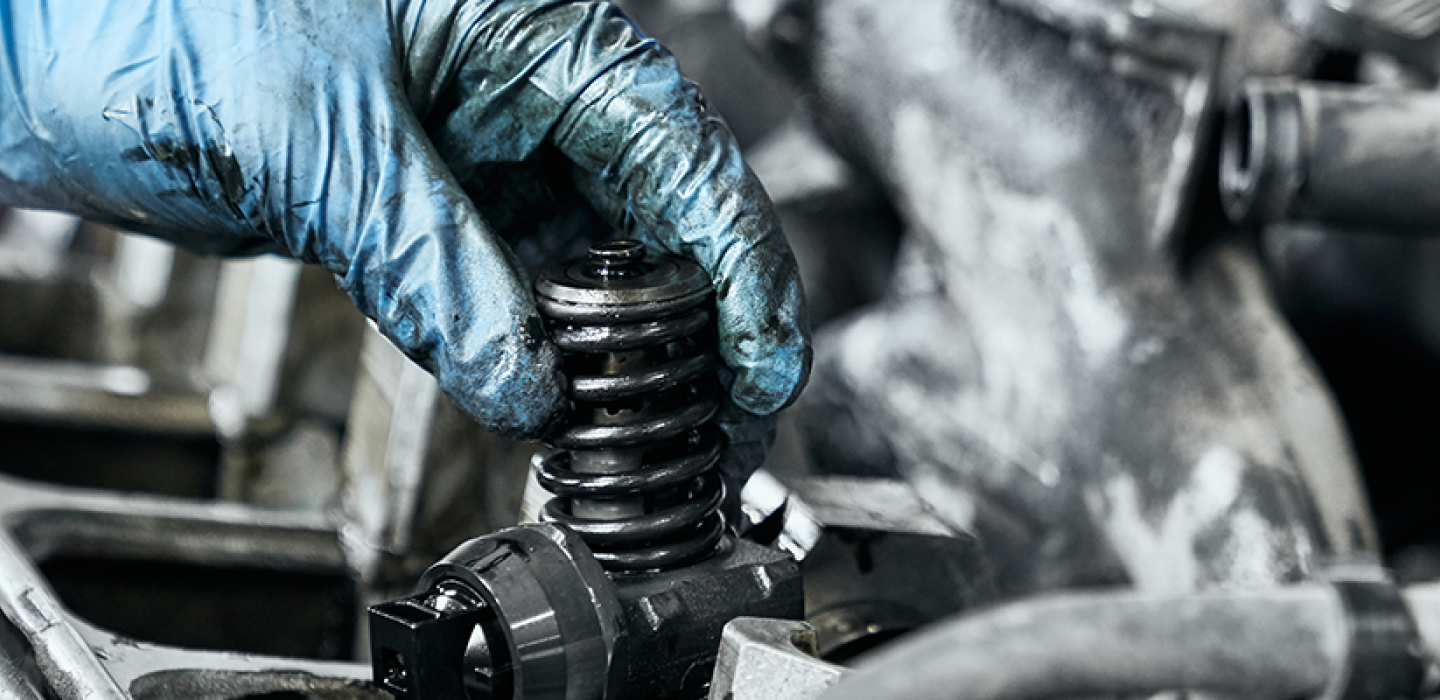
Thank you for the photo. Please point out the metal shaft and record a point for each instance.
(1325, 152)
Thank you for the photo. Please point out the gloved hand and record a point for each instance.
(341, 131)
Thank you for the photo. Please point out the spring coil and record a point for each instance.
(633, 472)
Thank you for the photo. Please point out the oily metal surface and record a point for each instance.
(676, 618)
(765, 659)
(638, 347)
(1350, 155)
(876, 561)
(1045, 368)
(579, 290)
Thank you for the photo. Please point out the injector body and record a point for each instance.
(625, 587)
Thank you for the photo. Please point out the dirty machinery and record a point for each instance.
(626, 593)
(1109, 296)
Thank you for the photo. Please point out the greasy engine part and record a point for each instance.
(1362, 156)
(1355, 637)
(625, 591)
(1046, 362)
(523, 613)
(637, 479)
(876, 561)
(674, 619)
(768, 659)
(634, 475)
(529, 613)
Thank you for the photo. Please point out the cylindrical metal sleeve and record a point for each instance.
(1287, 642)
(1355, 155)
(1386, 660)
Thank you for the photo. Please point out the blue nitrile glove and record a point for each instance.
(341, 131)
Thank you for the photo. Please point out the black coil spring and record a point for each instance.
(638, 391)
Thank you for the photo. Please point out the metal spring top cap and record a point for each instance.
(619, 281)
(622, 257)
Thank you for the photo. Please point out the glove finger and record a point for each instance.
(651, 159)
(413, 252)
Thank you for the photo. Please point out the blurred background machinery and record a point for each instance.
(1138, 296)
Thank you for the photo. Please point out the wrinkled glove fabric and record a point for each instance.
(343, 132)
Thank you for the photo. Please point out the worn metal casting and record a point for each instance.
(1056, 367)
(765, 659)
(876, 561)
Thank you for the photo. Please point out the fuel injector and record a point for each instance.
(623, 590)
